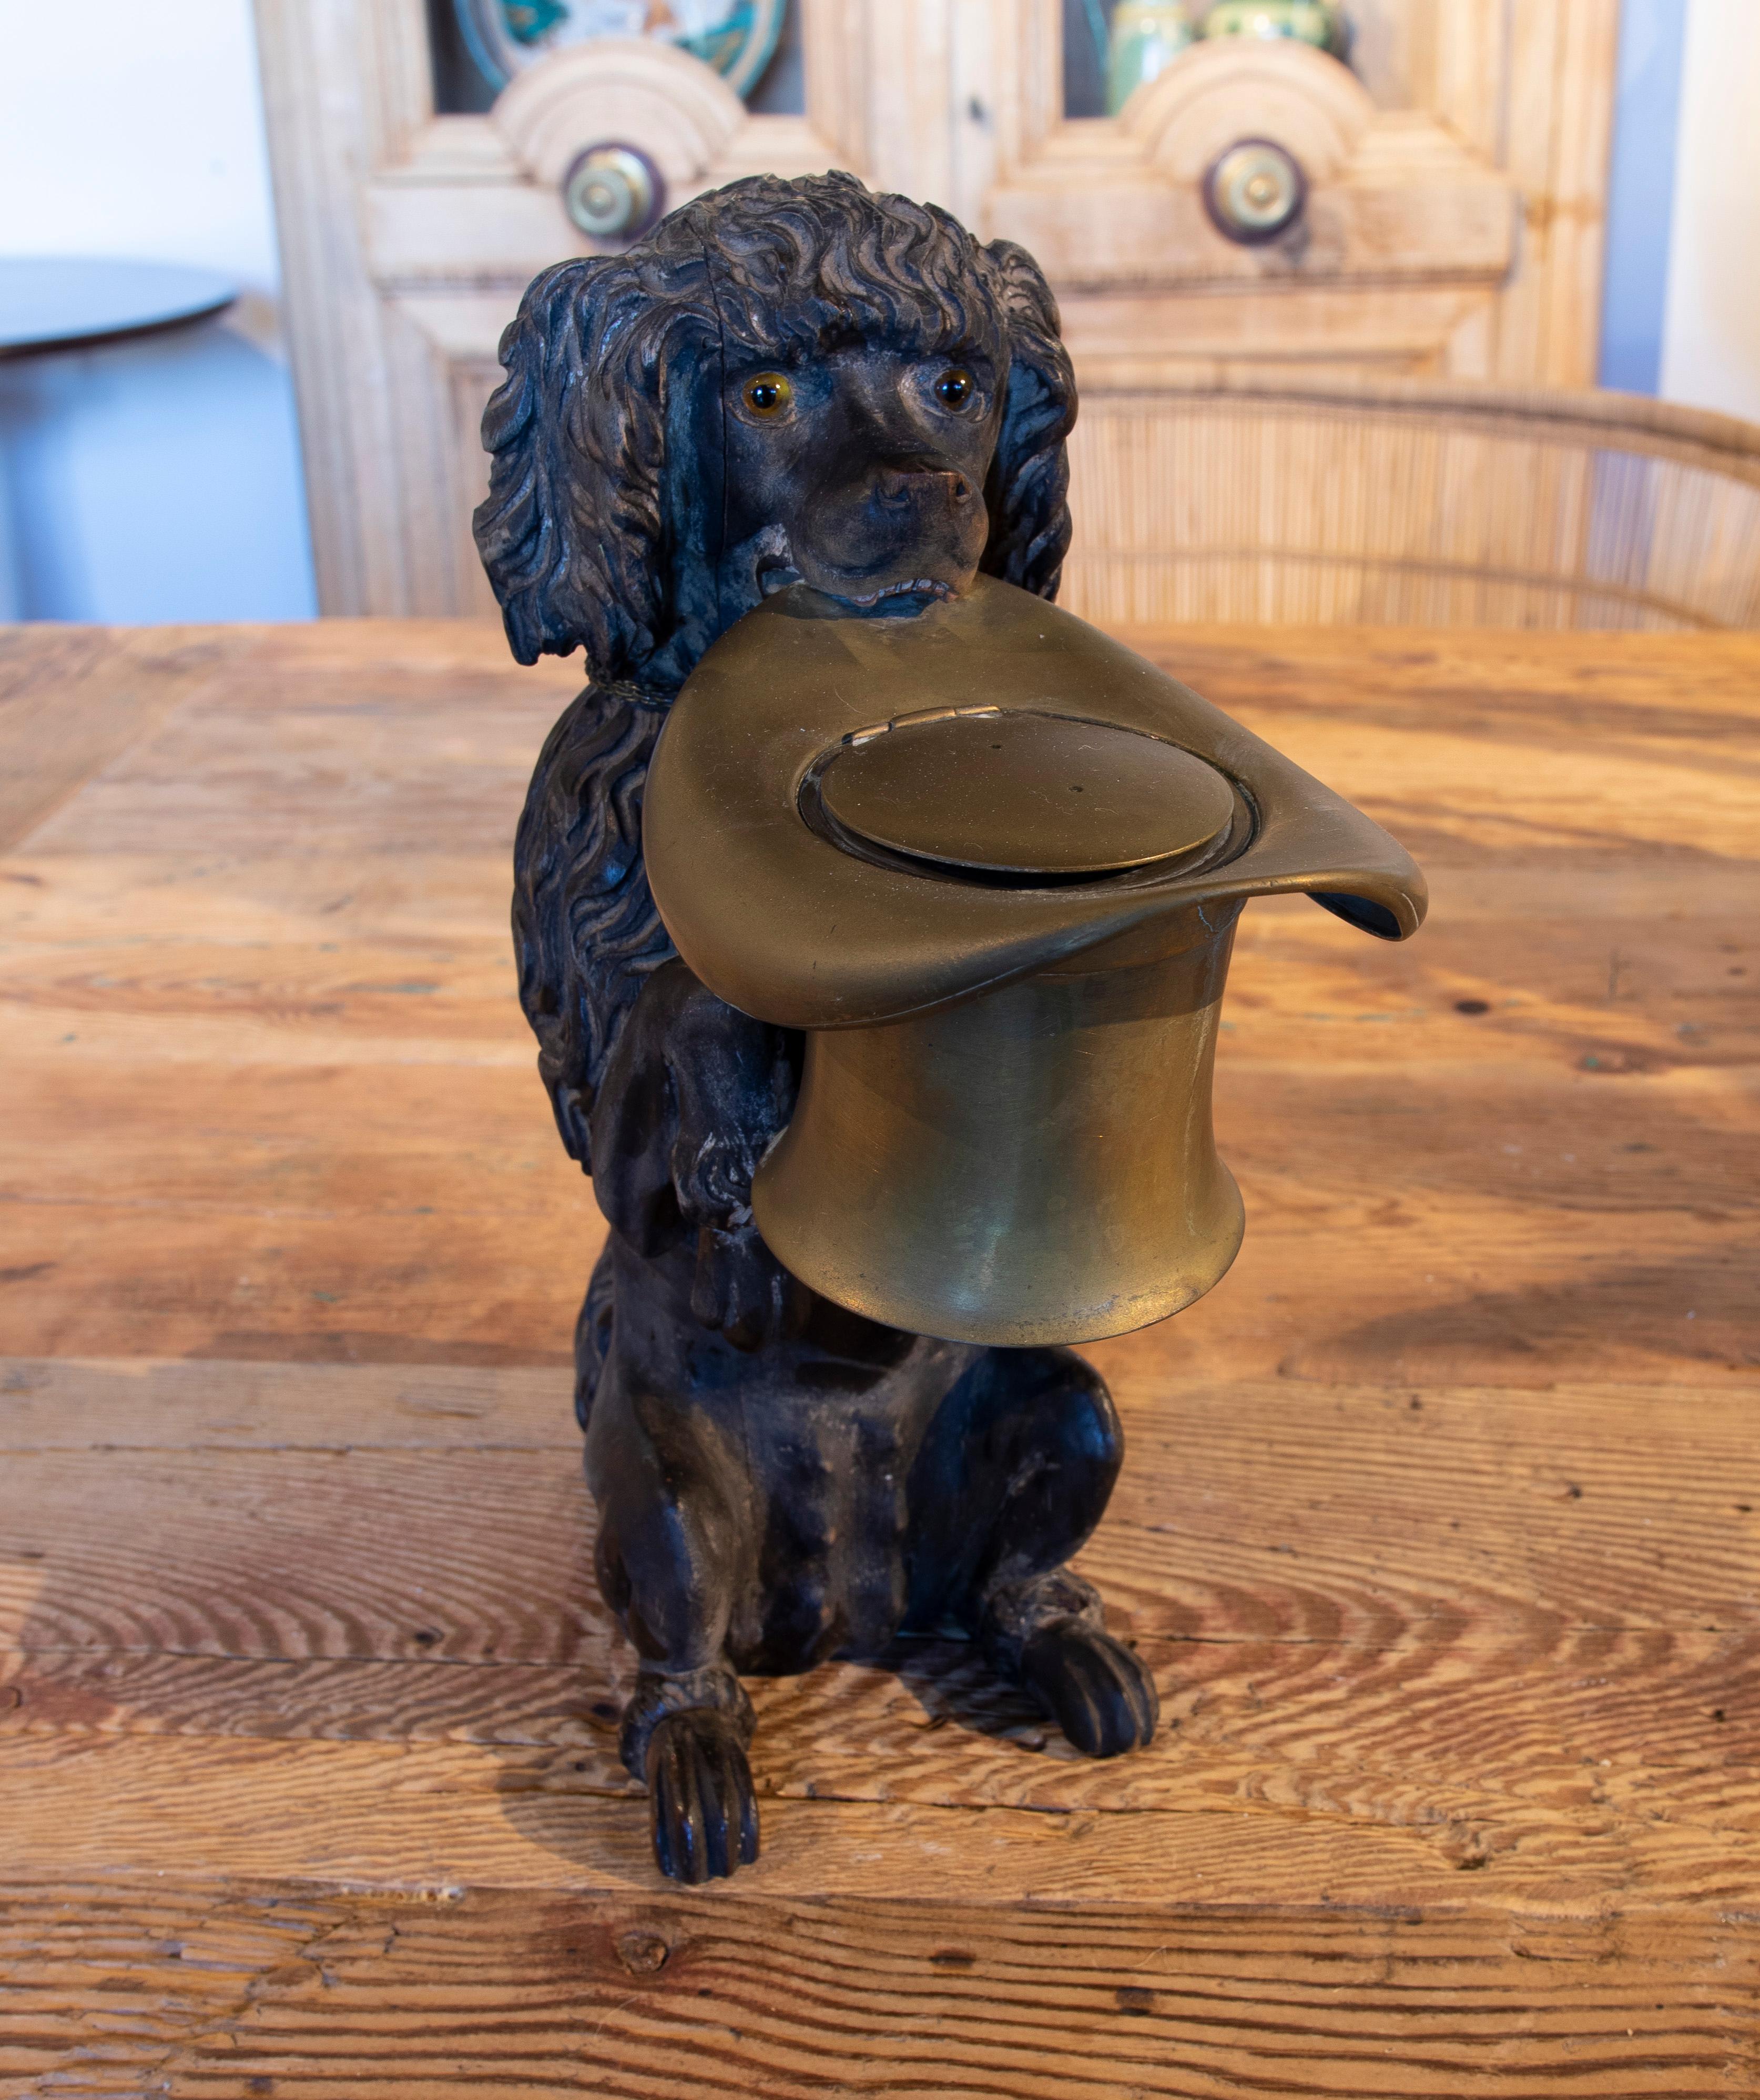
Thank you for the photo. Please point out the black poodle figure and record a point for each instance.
(785, 382)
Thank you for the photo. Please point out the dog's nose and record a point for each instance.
(926, 487)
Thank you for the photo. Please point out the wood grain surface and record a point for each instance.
(1438, 1524)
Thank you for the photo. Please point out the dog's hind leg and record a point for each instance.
(671, 1555)
(1011, 1481)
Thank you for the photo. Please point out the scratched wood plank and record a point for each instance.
(377, 741)
(1596, 1153)
(72, 699)
(177, 1988)
(123, 1404)
(430, 1816)
(1501, 1613)
(1533, 1248)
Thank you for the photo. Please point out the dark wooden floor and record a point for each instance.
(1440, 1520)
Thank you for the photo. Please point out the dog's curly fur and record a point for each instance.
(574, 533)
(777, 1480)
(579, 538)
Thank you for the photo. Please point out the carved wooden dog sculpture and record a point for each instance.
(785, 382)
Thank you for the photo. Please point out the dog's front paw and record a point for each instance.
(705, 1815)
(1091, 1686)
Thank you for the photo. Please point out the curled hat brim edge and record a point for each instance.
(783, 923)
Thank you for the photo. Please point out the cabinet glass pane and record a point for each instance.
(462, 87)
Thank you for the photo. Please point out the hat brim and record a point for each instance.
(783, 923)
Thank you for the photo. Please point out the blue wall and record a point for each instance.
(153, 480)
(1641, 193)
(158, 479)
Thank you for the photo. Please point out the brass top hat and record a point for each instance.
(990, 861)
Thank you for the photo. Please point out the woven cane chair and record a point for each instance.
(1410, 503)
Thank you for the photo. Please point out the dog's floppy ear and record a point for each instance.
(569, 531)
(1028, 491)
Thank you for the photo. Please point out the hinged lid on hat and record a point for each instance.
(1017, 793)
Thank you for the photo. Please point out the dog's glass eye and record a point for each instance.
(767, 395)
(955, 387)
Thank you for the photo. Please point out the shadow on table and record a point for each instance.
(881, 1730)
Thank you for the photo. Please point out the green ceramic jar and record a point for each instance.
(1147, 37)
(1308, 21)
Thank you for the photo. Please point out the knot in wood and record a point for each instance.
(642, 1953)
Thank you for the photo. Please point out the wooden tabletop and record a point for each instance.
(1440, 1518)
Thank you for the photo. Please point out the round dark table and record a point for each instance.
(70, 301)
